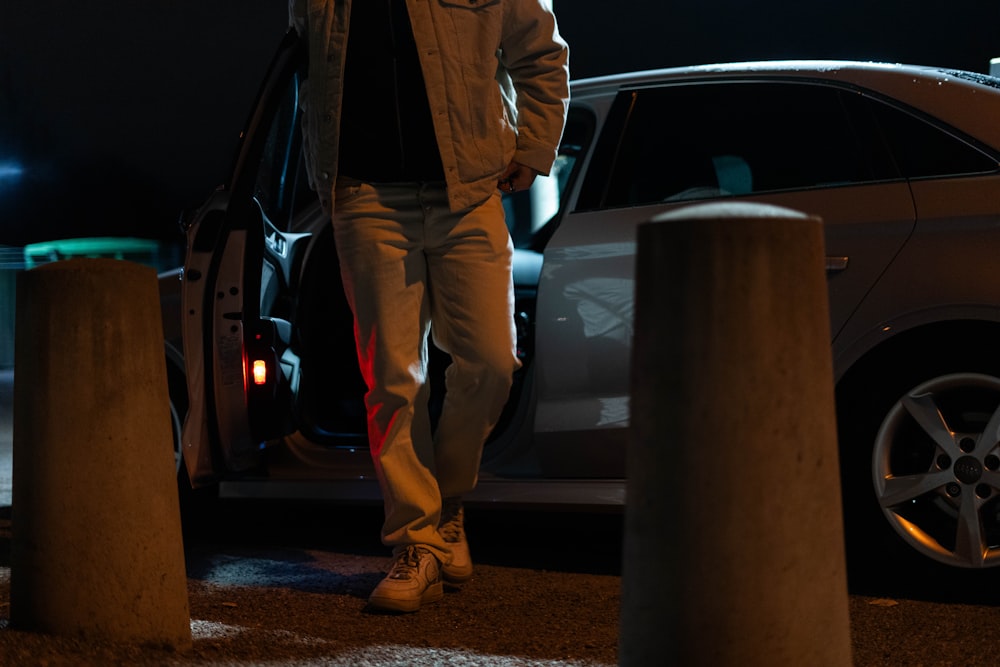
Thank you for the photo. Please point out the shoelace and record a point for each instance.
(451, 524)
(406, 564)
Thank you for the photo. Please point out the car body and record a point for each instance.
(902, 164)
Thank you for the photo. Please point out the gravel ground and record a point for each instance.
(265, 590)
(490, 623)
(253, 605)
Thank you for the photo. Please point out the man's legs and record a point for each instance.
(469, 259)
(405, 259)
(379, 236)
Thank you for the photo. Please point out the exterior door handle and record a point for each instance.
(835, 264)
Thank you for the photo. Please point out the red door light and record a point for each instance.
(259, 371)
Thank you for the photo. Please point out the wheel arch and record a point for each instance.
(969, 340)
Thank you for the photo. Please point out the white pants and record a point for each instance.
(411, 267)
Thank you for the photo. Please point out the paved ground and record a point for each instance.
(279, 593)
(284, 585)
(272, 585)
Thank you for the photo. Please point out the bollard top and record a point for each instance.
(742, 210)
(95, 266)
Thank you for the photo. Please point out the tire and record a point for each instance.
(194, 503)
(177, 388)
(920, 467)
(176, 425)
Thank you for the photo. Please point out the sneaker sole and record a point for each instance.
(455, 579)
(433, 593)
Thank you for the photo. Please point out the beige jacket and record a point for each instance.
(497, 81)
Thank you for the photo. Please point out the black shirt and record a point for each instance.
(386, 132)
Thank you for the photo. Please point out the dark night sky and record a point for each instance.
(122, 112)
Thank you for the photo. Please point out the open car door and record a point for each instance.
(239, 394)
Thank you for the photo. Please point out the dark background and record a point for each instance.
(119, 114)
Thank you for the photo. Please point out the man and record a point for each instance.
(418, 113)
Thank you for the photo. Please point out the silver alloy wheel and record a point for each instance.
(936, 469)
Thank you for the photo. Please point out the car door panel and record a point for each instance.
(587, 285)
(237, 393)
(957, 231)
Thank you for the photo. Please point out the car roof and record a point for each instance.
(840, 70)
(969, 101)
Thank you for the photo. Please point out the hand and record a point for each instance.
(516, 177)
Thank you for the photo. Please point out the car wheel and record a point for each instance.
(176, 424)
(193, 502)
(920, 465)
(936, 469)
(177, 390)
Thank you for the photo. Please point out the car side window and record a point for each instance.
(533, 214)
(924, 150)
(282, 187)
(707, 140)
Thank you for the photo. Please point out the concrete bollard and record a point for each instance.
(734, 550)
(96, 545)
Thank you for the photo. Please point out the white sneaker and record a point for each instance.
(452, 529)
(414, 579)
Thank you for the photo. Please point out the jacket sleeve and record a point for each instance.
(536, 59)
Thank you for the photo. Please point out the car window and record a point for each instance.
(532, 215)
(282, 187)
(706, 140)
(924, 150)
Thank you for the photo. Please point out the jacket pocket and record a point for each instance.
(473, 31)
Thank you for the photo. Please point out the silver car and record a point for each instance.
(900, 162)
